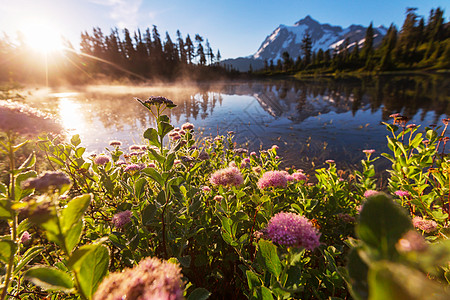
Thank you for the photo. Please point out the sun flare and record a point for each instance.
(41, 36)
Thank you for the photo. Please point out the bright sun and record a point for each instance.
(41, 36)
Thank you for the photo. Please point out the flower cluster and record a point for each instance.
(115, 143)
(121, 219)
(150, 279)
(272, 179)
(411, 241)
(402, 193)
(23, 119)
(187, 126)
(157, 100)
(370, 193)
(101, 160)
(425, 225)
(47, 181)
(228, 176)
(133, 168)
(292, 230)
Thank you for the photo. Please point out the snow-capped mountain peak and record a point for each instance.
(323, 36)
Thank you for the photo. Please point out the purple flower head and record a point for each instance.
(329, 161)
(402, 193)
(176, 162)
(101, 160)
(134, 148)
(370, 193)
(218, 198)
(151, 165)
(411, 126)
(132, 168)
(292, 230)
(272, 179)
(257, 169)
(115, 143)
(253, 153)
(240, 151)
(152, 278)
(247, 160)
(274, 147)
(206, 189)
(187, 126)
(230, 176)
(232, 164)
(158, 100)
(203, 155)
(25, 120)
(299, 176)
(425, 225)
(182, 132)
(25, 237)
(121, 219)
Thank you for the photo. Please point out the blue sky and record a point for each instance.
(236, 27)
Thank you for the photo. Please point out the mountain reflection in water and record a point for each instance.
(310, 120)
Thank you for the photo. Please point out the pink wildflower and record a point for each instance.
(176, 162)
(152, 278)
(425, 225)
(187, 126)
(120, 162)
(272, 179)
(101, 160)
(121, 219)
(402, 193)
(253, 153)
(288, 176)
(206, 189)
(115, 143)
(292, 230)
(274, 147)
(132, 168)
(232, 164)
(228, 176)
(257, 169)
(370, 193)
(369, 151)
(329, 161)
(134, 148)
(47, 181)
(151, 165)
(299, 176)
(25, 237)
(218, 198)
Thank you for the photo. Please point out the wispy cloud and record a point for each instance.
(125, 13)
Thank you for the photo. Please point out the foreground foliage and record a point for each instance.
(189, 218)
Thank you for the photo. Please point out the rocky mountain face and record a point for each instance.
(289, 38)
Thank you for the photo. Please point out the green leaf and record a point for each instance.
(154, 175)
(357, 271)
(268, 257)
(72, 236)
(164, 128)
(253, 280)
(29, 162)
(266, 294)
(3, 189)
(75, 140)
(139, 186)
(7, 249)
(199, 294)
(49, 278)
(72, 214)
(19, 192)
(27, 257)
(152, 135)
(90, 263)
(382, 224)
(5, 209)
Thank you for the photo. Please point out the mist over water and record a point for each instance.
(311, 121)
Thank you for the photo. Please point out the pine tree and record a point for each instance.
(189, 49)
(306, 47)
(181, 49)
(367, 48)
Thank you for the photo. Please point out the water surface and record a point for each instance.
(311, 121)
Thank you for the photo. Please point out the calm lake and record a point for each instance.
(310, 120)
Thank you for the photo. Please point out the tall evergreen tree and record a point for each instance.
(189, 49)
(367, 48)
(306, 47)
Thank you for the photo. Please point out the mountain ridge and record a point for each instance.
(289, 39)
